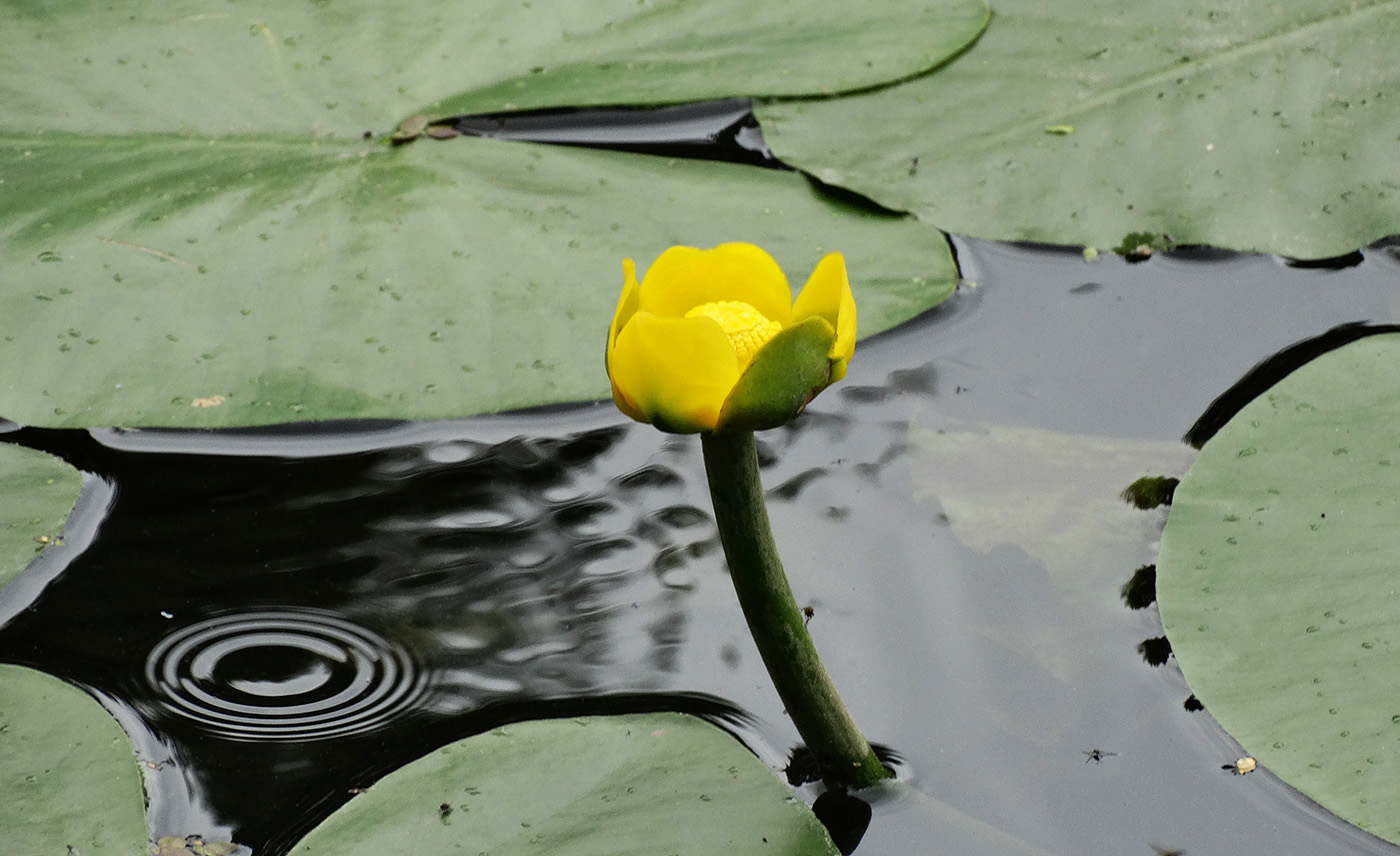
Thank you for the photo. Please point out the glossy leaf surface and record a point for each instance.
(602, 786)
(196, 232)
(1254, 125)
(39, 491)
(341, 68)
(71, 782)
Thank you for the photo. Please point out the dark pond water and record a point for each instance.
(278, 617)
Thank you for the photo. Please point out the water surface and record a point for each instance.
(281, 616)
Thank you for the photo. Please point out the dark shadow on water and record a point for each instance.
(846, 818)
(724, 130)
(1274, 369)
(1342, 262)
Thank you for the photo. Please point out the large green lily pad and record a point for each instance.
(256, 66)
(1259, 125)
(1278, 580)
(622, 51)
(600, 786)
(195, 231)
(70, 779)
(342, 279)
(38, 491)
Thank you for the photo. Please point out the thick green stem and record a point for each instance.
(843, 755)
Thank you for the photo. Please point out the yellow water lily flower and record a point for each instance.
(711, 340)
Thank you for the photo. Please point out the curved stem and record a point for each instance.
(842, 753)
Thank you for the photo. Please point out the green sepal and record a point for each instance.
(784, 375)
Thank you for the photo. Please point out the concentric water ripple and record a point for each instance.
(283, 675)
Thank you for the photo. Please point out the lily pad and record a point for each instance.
(39, 491)
(1255, 125)
(70, 778)
(339, 69)
(1277, 580)
(187, 246)
(602, 786)
(625, 52)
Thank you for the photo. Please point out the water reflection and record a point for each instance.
(953, 520)
(283, 675)
(326, 617)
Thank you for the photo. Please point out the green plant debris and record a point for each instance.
(1140, 591)
(1150, 491)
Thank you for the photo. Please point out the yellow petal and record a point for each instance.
(673, 372)
(626, 302)
(685, 277)
(626, 308)
(625, 404)
(828, 294)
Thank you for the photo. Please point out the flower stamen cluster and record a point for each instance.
(747, 328)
